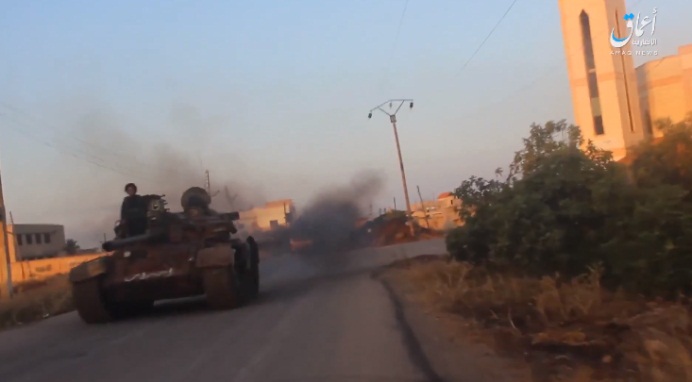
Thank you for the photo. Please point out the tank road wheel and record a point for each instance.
(94, 308)
(221, 288)
(254, 276)
(90, 303)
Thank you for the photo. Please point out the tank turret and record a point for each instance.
(195, 201)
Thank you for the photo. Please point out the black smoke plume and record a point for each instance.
(157, 164)
(330, 219)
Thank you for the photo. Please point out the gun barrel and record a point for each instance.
(112, 245)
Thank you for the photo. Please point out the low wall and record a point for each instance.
(36, 270)
(438, 222)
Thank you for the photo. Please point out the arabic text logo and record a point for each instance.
(635, 27)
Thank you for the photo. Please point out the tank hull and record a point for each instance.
(129, 281)
(155, 272)
(179, 255)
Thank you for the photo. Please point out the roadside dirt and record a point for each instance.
(36, 301)
(449, 347)
(574, 331)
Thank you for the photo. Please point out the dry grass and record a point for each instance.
(36, 301)
(572, 331)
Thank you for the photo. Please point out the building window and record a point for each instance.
(598, 125)
(592, 79)
(593, 84)
(29, 239)
(46, 238)
(38, 238)
(19, 239)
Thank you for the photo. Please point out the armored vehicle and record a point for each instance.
(180, 254)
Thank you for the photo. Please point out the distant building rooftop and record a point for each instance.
(445, 195)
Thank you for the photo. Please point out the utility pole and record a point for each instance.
(207, 185)
(392, 119)
(6, 263)
(287, 216)
(422, 205)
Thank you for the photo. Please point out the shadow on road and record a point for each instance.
(300, 275)
(292, 289)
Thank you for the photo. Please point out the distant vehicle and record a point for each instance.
(181, 254)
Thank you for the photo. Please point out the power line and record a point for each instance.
(122, 154)
(488, 36)
(79, 154)
(131, 162)
(398, 29)
(62, 151)
(553, 69)
(385, 78)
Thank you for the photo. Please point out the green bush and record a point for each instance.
(566, 206)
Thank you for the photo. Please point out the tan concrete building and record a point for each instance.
(616, 104)
(35, 241)
(272, 215)
(665, 88)
(442, 214)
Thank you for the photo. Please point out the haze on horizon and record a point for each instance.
(271, 97)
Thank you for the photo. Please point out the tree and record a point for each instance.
(667, 160)
(548, 213)
(659, 232)
(566, 206)
(71, 246)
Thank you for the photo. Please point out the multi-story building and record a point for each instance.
(615, 104)
(35, 241)
(665, 89)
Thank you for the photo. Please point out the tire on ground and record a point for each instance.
(221, 288)
(90, 302)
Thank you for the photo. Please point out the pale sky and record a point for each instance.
(271, 96)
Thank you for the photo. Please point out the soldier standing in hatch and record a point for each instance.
(133, 211)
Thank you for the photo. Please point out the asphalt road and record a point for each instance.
(316, 320)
